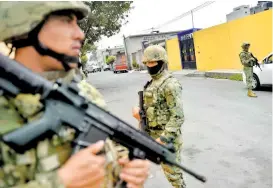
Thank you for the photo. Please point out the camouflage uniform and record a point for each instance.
(164, 110)
(248, 62)
(38, 166)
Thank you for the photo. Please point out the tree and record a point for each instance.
(84, 59)
(110, 60)
(135, 64)
(86, 48)
(105, 19)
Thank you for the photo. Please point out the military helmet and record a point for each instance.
(19, 18)
(245, 44)
(155, 53)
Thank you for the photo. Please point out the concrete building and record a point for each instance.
(101, 57)
(245, 10)
(135, 45)
(238, 12)
(261, 6)
(102, 53)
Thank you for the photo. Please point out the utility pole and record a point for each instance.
(126, 54)
(192, 19)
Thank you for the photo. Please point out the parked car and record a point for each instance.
(96, 68)
(106, 68)
(264, 77)
(93, 68)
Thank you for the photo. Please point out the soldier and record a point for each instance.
(248, 62)
(163, 108)
(47, 40)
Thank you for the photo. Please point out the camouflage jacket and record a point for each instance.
(246, 59)
(37, 167)
(163, 106)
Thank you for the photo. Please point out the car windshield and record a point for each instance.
(269, 61)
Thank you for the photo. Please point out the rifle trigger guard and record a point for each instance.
(137, 154)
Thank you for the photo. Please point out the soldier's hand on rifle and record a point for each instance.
(159, 141)
(135, 112)
(134, 172)
(84, 169)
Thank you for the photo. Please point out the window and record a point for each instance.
(269, 60)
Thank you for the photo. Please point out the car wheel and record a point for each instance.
(255, 82)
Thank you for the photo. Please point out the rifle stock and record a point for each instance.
(65, 106)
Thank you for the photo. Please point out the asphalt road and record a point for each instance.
(227, 135)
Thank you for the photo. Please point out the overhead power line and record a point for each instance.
(181, 16)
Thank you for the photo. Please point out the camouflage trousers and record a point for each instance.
(249, 76)
(173, 174)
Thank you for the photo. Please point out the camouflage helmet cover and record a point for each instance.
(244, 44)
(19, 18)
(155, 53)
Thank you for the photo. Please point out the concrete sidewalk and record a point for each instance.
(218, 74)
(223, 73)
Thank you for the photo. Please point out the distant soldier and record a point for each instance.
(248, 61)
(163, 108)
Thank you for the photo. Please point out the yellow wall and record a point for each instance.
(173, 51)
(218, 47)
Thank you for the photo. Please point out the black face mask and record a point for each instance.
(154, 70)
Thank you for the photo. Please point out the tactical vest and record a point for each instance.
(40, 163)
(155, 105)
(248, 56)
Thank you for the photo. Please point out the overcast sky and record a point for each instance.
(151, 13)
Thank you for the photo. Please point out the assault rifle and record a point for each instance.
(256, 62)
(143, 120)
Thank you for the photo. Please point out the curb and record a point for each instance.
(236, 75)
(196, 74)
(221, 74)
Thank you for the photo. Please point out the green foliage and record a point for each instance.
(235, 77)
(105, 19)
(110, 60)
(84, 59)
(87, 47)
(135, 64)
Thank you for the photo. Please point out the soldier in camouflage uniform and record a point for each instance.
(163, 108)
(248, 62)
(47, 40)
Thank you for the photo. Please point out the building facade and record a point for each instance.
(245, 10)
(135, 45)
(261, 6)
(218, 47)
(101, 54)
(238, 12)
